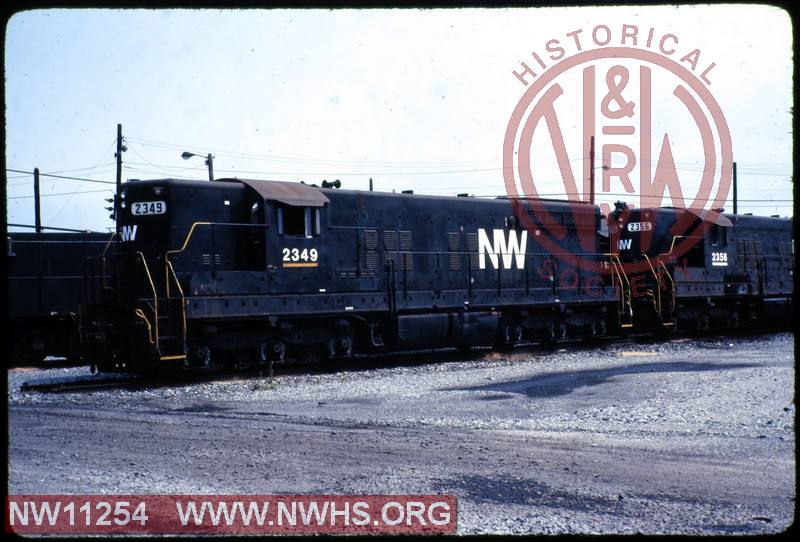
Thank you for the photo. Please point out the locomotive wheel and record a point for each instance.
(346, 345)
(548, 335)
(269, 353)
(505, 336)
(511, 335)
(518, 334)
(199, 356)
(272, 351)
(599, 328)
(341, 345)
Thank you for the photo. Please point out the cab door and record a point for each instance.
(718, 239)
(295, 256)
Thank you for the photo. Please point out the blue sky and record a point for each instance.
(415, 99)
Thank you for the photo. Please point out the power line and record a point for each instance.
(279, 158)
(273, 173)
(683, 166)
(616, 194)
(148, 162)
(64, 170)
(61, 176)
(355, 173)
(49, 228)
(62, 194)
(28, 182)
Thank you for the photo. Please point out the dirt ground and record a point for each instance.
(689, 436)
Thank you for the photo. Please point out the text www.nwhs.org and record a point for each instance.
(124, 514)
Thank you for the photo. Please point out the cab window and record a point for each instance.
(719, 235)
(303, 221)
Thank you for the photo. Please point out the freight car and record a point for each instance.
(45, 281)
(245, 272)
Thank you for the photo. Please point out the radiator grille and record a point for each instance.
(206, 259)
(454, 247)
(472, 247)
(389, 245)
(407, 258)
(370, 244)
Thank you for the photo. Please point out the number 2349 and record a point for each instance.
(297, 255)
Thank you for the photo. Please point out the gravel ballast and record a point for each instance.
(679, 437)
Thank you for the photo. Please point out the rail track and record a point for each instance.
(356, 363)
(79, 385)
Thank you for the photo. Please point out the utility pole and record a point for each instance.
(210, 164)
(118, 156)
(37, 204)
(591, 172)
(735, 203)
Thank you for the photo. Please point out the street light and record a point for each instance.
(209, 162)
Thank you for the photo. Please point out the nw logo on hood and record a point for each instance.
(498, 248)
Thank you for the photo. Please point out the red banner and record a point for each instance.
(231, 514)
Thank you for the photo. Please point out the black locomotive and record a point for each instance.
(737, 270)
(245, 272)
(45, 281)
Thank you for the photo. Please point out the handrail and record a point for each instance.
(113, 235)
(183, 299)
(617, 263)
(671, 282)
(625, 301)
(168, 268)
(169, 253)
(89, 261)
(140, 314)
(190, 233)
(153, 288)
(672, 245)
(656, 300)
(175, 276)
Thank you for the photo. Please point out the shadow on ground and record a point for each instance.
(564, 383)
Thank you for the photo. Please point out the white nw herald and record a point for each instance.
(512, 250)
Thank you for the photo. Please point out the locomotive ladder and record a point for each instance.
(664, 314)
(660, 261)
(625, 311)
(157, 339)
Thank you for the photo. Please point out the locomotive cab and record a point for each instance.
(703, 269)
(182, 240)
(670, 252)
(697, 239)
